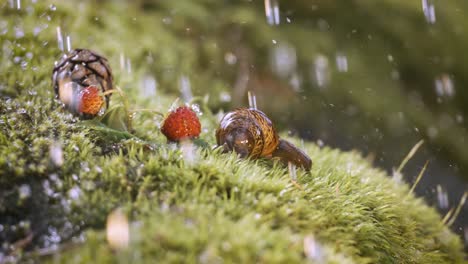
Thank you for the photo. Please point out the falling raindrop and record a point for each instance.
(230, 58)
(321, 72)
(24, 191)
(69, 47)
(442, 197)
(292, 171)
(148, 86)
(59, 38)
(18, 4)
(252, 100)
(283, 60)
(122, 61)
(313, 250)
(224, 96)
(444, 85)
(341, 63)
(74, 193)
(56, 154)
(272, 12)
(185, 88)
(465, 232)
(117, 230)
(429, 11)
(188, 152)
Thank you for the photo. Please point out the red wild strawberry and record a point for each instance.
(180, 124)
(91, 101)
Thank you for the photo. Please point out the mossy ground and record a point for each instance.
(213, 208)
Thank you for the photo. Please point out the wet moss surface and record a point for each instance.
(60, 177)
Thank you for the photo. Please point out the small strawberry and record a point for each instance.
(91, 101)
(180, 124)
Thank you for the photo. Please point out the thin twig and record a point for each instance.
(421, 173)
(457, 211)
(409, 156)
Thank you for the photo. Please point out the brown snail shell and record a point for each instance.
(77, 70)
(250, 133)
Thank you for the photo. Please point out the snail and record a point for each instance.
(79, 79)
(250, 133)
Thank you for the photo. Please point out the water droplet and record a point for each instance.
(69, 47)
(117, 230)
(442, 197)
(59, 38)
(56, 154)
(52, 7)
(341, 63)
(185, 89)
(148, 86)
(230, 58)
(24, 191)
(252, 100)
(272, 12)
(321, 71)
(225, 96)
(18, 4)
(432, 132)
(189, 154)
(257, 216)
(74, 193)
(283, 60)
(429, 11)
(292, 171)
(444, 85)
(313, 250)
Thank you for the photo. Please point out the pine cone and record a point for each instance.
(77, 72)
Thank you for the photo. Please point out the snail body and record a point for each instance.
(250, 133)
(78, 78)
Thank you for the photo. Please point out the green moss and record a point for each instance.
(213, 208)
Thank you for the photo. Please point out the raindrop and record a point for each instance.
(313, 250)
(117, 230)
(442, 197)
(230, 58)
(18, 4)
(252, 100)
(295, 82)
(19, 32)
(52, 7)
(24, 191)
(188, 152)
(59, 38)
(444, 86)
(432, 132)
(292, 171)
(429, 11)
(185, 89)
(257, 216)
(69, 47)
(74, 193)
(283, 60)
(341, 63)
(148, 86)
(122, 61)
(321, 72)
(129, 66)
(272, 12)
(224, 96)
(56, 154)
